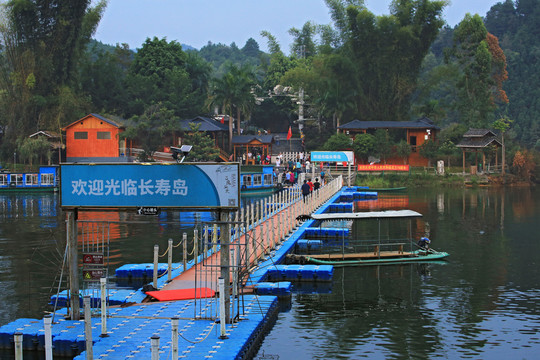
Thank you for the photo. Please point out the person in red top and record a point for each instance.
(310, 185)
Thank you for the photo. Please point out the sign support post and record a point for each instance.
(225, 261)
(73, 264)
(348, 173)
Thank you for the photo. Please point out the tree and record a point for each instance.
(103, 77)
(403, 150)
(475, 100)
(448, 148)
(502, 124)
(43, 42)
(338, 142)
(524, 164)
(363, 145)
(32, 149)
(233, 91)
(383, 144)
(387, 52)
(150, 129)
(429, 150)
(158, 75)
(203, 149)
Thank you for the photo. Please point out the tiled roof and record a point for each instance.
(246, 139)
(423, 123)
(478, 142)
(97, 116)
(49, 134)
(207, 124)
(478, 133)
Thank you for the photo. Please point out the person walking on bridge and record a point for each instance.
(305, 190)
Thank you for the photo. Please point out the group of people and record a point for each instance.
(308, 187)
(257, 158)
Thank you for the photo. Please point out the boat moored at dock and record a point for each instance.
(341, 250)
(46, 179)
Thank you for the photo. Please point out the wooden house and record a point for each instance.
(94, 138)
(415, 133)
(55, 141)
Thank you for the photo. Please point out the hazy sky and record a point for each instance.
(195, 22)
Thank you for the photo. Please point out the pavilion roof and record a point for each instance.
(246, 139)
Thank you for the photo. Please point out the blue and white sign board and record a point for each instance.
(332, 156)
(171, 185)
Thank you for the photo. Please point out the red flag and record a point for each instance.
(289, 134)
(223, 120)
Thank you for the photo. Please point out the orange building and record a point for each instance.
(94, 138)
(415, 133)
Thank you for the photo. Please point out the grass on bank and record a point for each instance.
(417, 177)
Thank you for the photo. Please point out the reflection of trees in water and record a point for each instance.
(382, 304)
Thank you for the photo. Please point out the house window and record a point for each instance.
(80, 135)
(246, 180)
(257, 179)
(412, 140)
(3, 179)
(31, 179)
(104, 135)
(47, 179)
(267, 179)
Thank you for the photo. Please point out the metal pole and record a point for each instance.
(185, 252)
(156, 257)
(214, 240)
(273, 232)
(234, 281)
(205, 241)
(18, 338)
(73, 265)
(225, 261)
(257, 212)
(88, 328)
(195, 246)
(174, 345)
(222, 307)
(47, 325)
(155, 347)
(103, 285)
(169, 260)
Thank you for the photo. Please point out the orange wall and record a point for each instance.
(92, 147)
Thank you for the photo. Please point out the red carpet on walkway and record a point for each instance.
(182, 294)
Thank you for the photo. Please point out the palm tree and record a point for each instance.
(244, 100)
(233, 90)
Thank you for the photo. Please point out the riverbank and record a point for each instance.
(418, 179)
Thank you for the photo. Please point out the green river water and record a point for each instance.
(483, 303)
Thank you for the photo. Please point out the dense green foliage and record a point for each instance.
(400, 66)
(42, 45)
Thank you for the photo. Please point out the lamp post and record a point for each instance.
(14, 159)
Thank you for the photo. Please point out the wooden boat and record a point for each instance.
(364, 259)
(374, 251)
(46, 179)
(394, 189)
(257, 180)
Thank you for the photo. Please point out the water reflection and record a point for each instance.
(480, 304)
